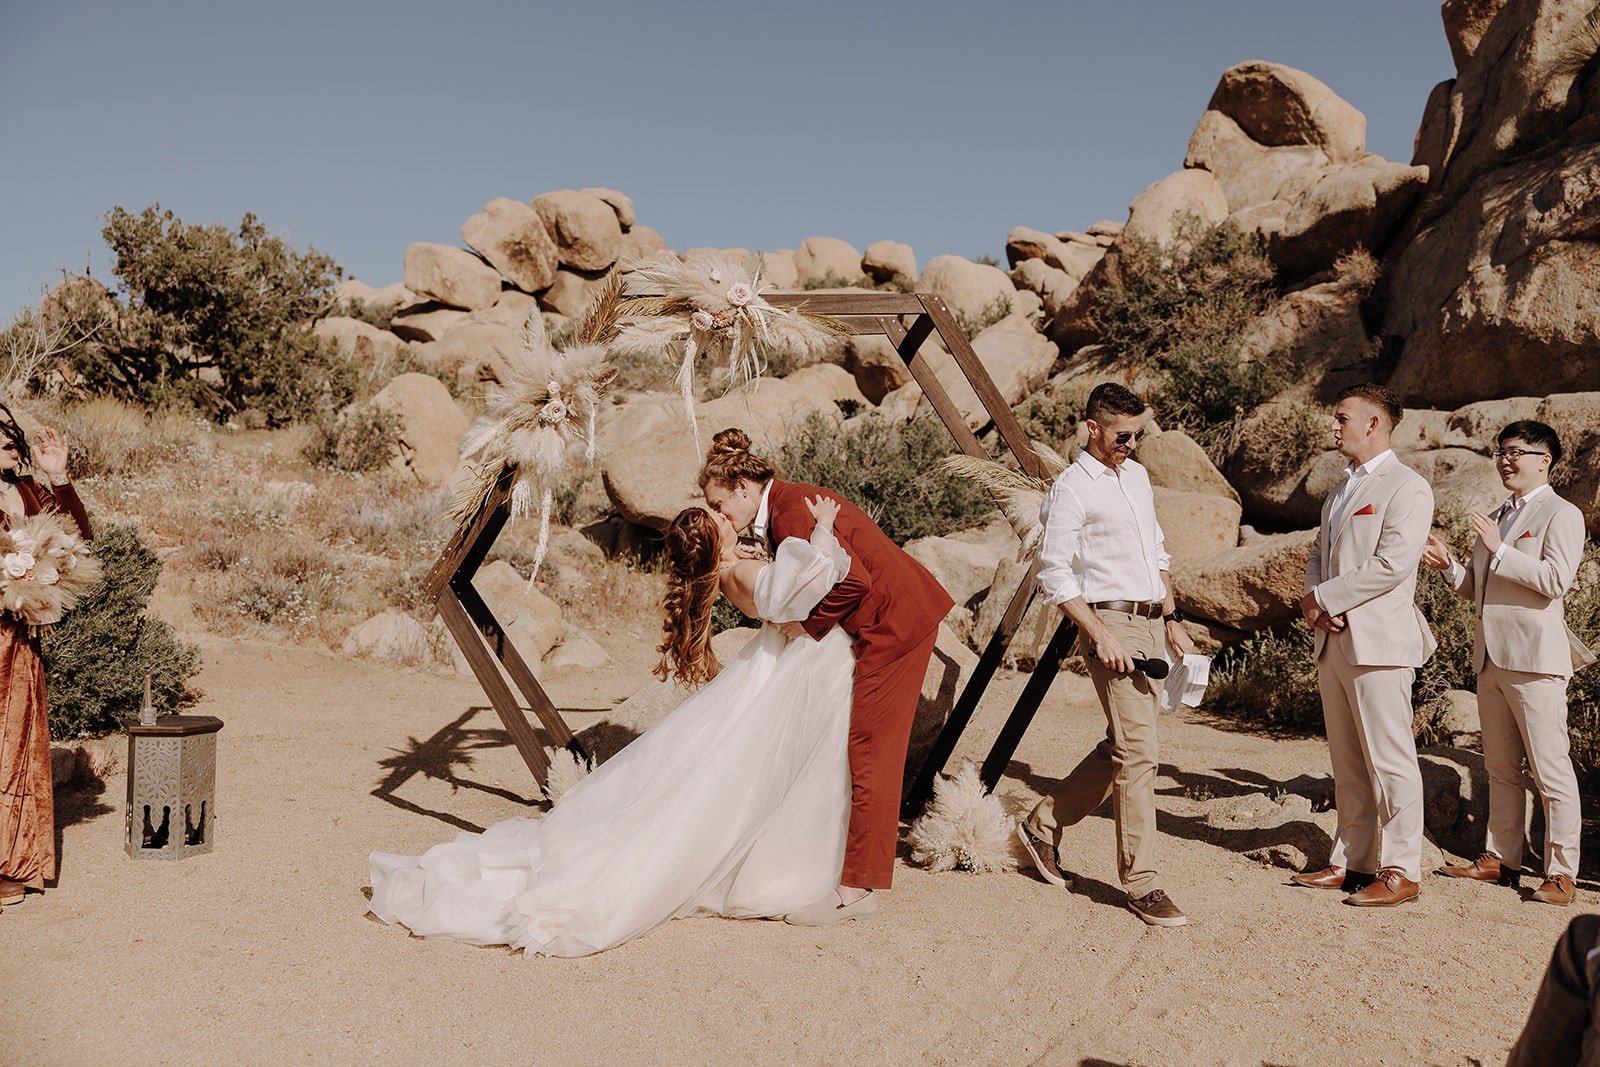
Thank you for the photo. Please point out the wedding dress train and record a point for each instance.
(736, 803)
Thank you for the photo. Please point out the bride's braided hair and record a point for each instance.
(729, 458)
(693, 551)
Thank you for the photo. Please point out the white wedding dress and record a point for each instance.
(735, 803)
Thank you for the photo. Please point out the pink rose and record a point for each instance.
(553, 412)
(740, 294)
(702, 321)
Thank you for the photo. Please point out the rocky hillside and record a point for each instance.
(1464, 277)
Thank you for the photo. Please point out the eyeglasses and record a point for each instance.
(1128, 437)
(1513, 454)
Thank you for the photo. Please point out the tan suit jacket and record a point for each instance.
(1366, 569)
(1522, 622)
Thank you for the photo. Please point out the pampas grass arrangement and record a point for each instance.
(964, 828)
(712, 306)
(566, 771)
(1020, 496)
(45, 569)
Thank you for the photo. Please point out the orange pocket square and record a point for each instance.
(1526, 533)
(1368, 510)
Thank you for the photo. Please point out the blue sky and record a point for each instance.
(360, 128)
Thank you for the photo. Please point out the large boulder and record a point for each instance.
(1277, 105)
(1477, 425)
(965, 562)
(393, 636)
(876, 365)
(1463, 480)
(1497, 297)
(583, 226)
(451, 276)
(532, 620)
(431, 424)
(511, 310)
(1159, 212)
(1337, 209)
(1576, 416)
(1249, 587)
(426, 322)
(512, 237)
(1016, 356)
(640, 245)
(974, 292)
(1196, 525)
(573, 291)
(826, 261)
(1174, 460)
(358, 341)
(885, 261)
(831, 383)
(1318, 335)
(621, 203)
(1248, 172)
(778, 269)
(475, 353)
(653, 478)
(1052, 285)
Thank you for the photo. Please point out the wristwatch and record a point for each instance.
(1175, 615)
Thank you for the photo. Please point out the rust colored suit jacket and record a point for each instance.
(888, 602)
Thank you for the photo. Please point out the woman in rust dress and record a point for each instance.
(27, 804)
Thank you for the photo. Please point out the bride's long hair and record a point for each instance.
(694, 552)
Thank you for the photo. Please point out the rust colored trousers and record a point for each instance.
(884, 706)
(27, 808)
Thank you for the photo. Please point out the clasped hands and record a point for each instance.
(1321, 620)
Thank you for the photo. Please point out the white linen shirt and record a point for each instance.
(1101, 539)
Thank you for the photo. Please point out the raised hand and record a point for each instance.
(1488, 531)
(1436, 554)
(50, 453)
(824, 510)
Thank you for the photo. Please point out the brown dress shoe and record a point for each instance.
(1332, 878)
(1557, 889)
(1389, 887)
(1486, 868)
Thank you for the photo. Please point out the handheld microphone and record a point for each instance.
(1154, 669)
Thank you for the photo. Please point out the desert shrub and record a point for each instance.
(889, 469)
(1051, 416)
(986, 260)
(1271, 680)
(974, 324)
(1283, 437)
(724, 616)
(216, 317)
(357, 440)
(97, 657)
(377, 315)
(833, 280)
(1583, 692)
(1183, 309)
(291, 585)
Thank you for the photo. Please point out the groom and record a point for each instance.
(891, 606)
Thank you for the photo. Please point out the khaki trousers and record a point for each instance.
(1377, 785)
(1123, 766)
(1525, 716)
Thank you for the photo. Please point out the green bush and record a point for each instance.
(360, 440)
(890, 470)
(1183, 309)
(1271, 680)
(215, 317)
(1583, 692)
(987, 316)
(97, 657)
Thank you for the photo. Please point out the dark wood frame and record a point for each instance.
(907, 320)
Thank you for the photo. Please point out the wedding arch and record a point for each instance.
(907, 320)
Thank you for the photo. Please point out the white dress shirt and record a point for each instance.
(1505, 518)
(1101, 539)
(758, 526)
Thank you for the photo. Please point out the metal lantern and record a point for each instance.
(172, 786)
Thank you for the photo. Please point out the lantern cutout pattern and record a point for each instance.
(172, 784)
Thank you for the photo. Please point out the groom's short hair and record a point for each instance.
(1109, 398)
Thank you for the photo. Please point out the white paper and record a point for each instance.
(1186, 682)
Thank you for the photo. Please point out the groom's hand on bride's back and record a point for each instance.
(791, 630)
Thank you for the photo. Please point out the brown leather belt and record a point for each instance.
(1143, 609)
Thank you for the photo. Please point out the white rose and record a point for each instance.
(553, 412)
(46, 574)
(17, 564)
(740, 294)
(702, 321)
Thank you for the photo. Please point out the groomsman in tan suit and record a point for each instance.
(1361, 583)
(1523, 563)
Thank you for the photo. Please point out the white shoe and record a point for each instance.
(830, 910)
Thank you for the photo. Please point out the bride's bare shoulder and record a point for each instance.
(739, 584)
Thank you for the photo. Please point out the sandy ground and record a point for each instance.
(261, 953)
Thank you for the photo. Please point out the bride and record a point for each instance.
(735, 804)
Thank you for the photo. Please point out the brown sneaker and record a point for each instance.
(1486, 868)
(1557, 889)
(1157, 909)
(1389, 887)
(1046, 860)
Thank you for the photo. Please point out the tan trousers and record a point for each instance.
(1377, 785)
(1525, 716)
(1123, 766)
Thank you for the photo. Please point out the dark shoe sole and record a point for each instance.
(1156, 920)
(1376, 904)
